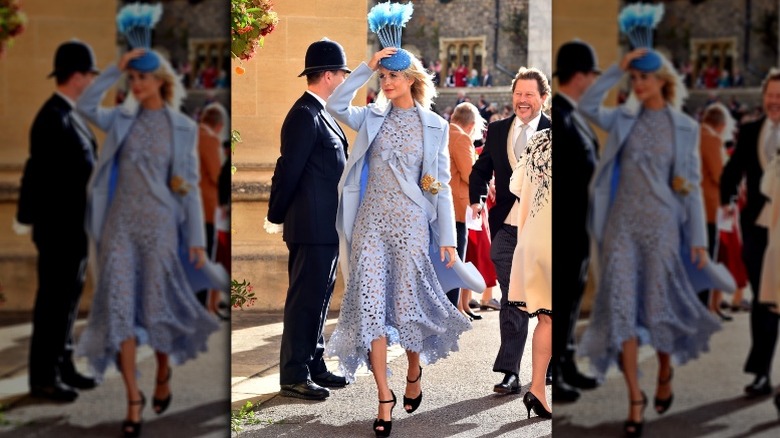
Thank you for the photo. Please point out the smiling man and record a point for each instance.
(504, 146)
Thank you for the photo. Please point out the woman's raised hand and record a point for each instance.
(387, 52)
(630, 56)
(128, 56)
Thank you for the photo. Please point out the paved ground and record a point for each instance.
(458, 400)
(708, 396)
(199, 407)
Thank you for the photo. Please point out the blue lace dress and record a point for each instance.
(643, 289)
(392, 289)
(142, 290)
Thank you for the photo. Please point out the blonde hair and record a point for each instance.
(171, 90)
(423, 90)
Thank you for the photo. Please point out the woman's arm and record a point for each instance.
(339, 103)
(89, 103)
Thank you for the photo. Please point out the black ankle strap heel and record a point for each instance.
(413, 403)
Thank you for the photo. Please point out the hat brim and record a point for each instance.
(310, 70)
(648, 63)
(92, 70)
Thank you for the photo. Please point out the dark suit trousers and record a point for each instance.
(312, 275)
(570, 286)
(763, 322)
(61, 272)
(513, 321)
(460, 232)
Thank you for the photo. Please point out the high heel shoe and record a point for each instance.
(414, 403)
(386, 425)
(473, 316)
(662, 405)
(132, 429)
(160, 405)
(531, 402)
(777, 403)
(632, 428)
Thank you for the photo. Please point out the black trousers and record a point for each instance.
(763, 322)
(704, 295)
(568, 289)
(460, 233)
(203, 294)
(312, 276)
(61, 273)
(513, 322)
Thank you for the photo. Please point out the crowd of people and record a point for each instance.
(136, 208)
(676, 210)
(410, 278)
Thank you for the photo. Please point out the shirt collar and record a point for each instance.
(568, 98)
(319, 99)
(532, 125)
(66, 99)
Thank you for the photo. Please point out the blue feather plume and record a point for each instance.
(638, 20)
(387, 19)
(135, 21)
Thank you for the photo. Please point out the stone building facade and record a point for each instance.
(479, 33)
(730, 34)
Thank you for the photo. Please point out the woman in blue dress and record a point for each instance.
(143, 201)
(387, 228)
(647, 218)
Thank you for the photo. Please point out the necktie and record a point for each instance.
(772, 142)
(520, 142)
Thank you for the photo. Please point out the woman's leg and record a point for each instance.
(162, 389)
(378, 358)
(664, 391)
(413, 390)
(541, 352)
(126, 359)
(629, 360)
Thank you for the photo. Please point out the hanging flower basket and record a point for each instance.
(251, 21)
(12, 22)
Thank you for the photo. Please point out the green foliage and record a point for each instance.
(251, 21)
(241, 294)
(242, 417)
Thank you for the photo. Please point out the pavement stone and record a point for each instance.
(458, 398)
(708, 396)
(199, 408)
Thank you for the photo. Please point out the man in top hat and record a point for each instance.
(575, 156)
(62, 154)
(304, 198)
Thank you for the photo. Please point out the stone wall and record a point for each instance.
(434, 20)
(684, 22)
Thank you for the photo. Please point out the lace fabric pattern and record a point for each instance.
(392, 289)
(538, 167)
(644, 290)
(142, 290)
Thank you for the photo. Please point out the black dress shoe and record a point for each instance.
(329, 380)
(473, 316)
(760, 387)
(573, 377)
(307, 390)
(78, 381)
(510, 385)
(563, 393)
(56, 392)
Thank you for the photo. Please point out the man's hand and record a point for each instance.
(476, 210)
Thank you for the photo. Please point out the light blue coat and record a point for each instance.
(367, 120)
(116, 121)
(619, 122)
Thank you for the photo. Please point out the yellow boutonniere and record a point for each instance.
(179, 185)
(429, 184)
(681, 185)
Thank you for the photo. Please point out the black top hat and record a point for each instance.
(72, 57)
(325, 55)
(575, 56)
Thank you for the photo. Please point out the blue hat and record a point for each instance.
(386, 21)
(637, 21)
(135, 21)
